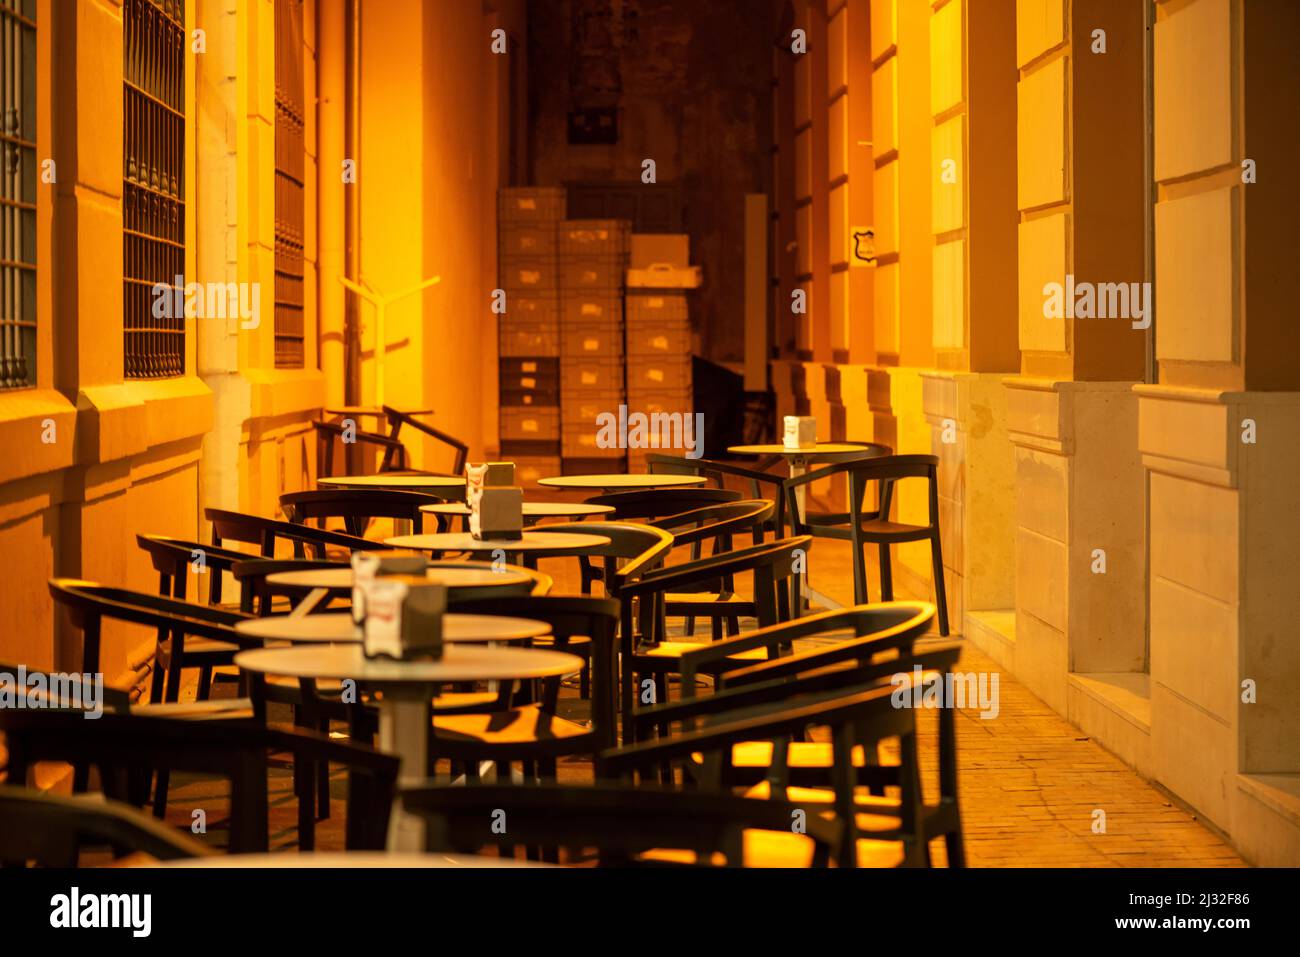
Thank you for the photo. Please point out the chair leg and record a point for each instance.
(940, 591)
(886, 575)
(859, 575)
(323, 780)
(161, 784)
(205, 683)
(584, 681)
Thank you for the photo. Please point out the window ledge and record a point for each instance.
(28, 418)
(283, 392)
(124, 419)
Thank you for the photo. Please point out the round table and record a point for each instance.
(798, 461)
(408, 687)
(393, 480)
(532, 546)
(533, 511)
(480, 575)
(621, 482)
(338, 628)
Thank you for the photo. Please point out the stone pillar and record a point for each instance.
(973, 224)
(1220, 431)
(1079, 640)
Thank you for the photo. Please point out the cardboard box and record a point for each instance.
(649, 249)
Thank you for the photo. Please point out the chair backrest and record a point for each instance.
(869, 450)
(535, 583)
(127, 747)
(772, 565)
(89, 603)
(174, 558)
(888, 626)
(571, 617)
(857, 715)
(49, 830)
(397, 419)
(329, 432)
(639, 548)
(264, 532)
(885, 469)
(719, 523)
(617, 823)
(661, 502)
(358, 506)
(256, 594)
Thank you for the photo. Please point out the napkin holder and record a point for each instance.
(369, 566)
(404, 619)
(498, 514)
(496, 504)
(800, 432)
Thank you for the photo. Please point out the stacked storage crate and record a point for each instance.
(528, 263)
(659, 334)
(593, 256)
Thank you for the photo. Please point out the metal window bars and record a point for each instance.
(153, 205)
(290, 157)
(17, 193)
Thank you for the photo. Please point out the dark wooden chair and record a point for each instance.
(264, 533)
(257, 596)
(864, 528)
(328, 433)
(533, 734)
(201, 636)
(771, 569)
(857, 716)
(617, 824)
(632, 551)
(762, 483)
(716, 526)
(128, 748)
(48, 830)
(397, 419)
(357, 507)
(805, 769)
(174, 559)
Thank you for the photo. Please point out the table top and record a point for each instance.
(622, 481)
(458, 663)
(392, 480)
(821, 448)
(337, 628)
(533, 541)
(477, 576)
(531, 509)
(347, 859)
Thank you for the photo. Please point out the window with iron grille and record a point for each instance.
(153, 187)
(290, 159)
(17, 194)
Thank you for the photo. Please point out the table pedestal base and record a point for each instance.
(404, 730)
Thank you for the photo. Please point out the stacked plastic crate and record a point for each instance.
(593, 256)
(528, 263)
(659, 340)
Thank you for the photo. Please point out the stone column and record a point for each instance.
(1079, 638)
(1220, 431)
(973, 223)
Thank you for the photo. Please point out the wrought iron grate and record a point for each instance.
(17, 193)
(290, 158)
(153, 188)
